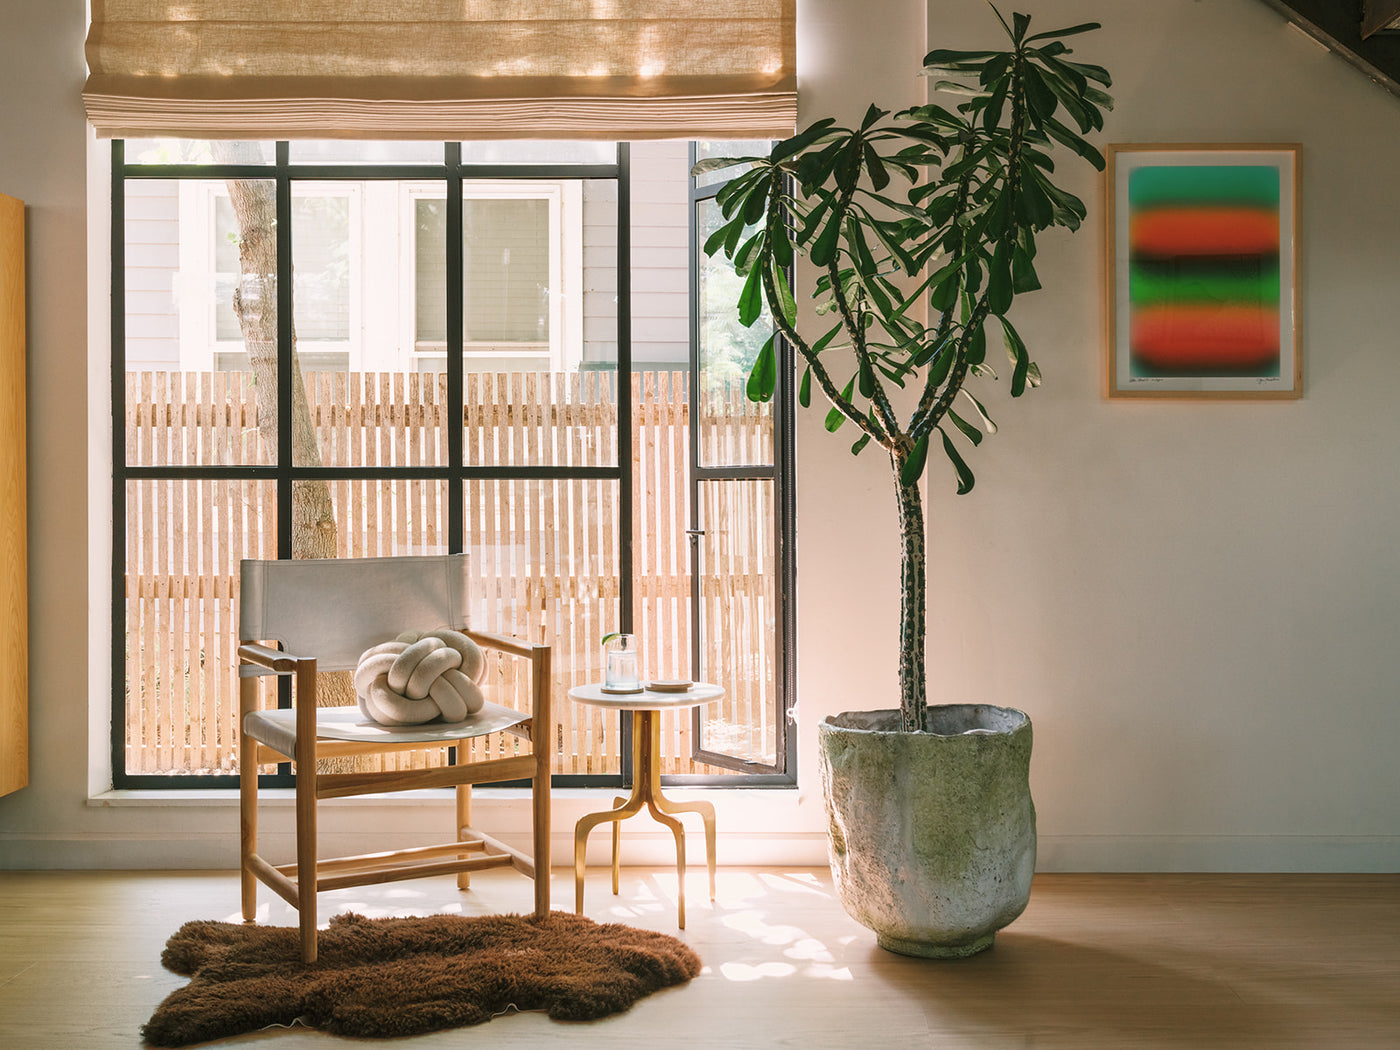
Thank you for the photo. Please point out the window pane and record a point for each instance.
(200, 267)
(523, 151)
(550, 401)
(357, 151)
(739, 618)
(184, 540)
(545, 559)
(430, 270)
(734, 431)
(196, 151)
(368, 518)
(505, 256)
(321, 269)
(357, 315)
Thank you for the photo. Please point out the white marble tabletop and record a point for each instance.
(647, 699)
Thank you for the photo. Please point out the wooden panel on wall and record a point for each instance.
(14, 591)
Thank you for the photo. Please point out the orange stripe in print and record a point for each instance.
(1204, 231)
(1177, 338)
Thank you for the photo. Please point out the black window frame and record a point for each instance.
(454, 473)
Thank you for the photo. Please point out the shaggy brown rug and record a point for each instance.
(400, 977)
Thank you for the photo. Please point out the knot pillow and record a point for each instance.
(421, 677)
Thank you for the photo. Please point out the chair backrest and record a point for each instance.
(335, 609)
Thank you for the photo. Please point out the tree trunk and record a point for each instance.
(255, 305)
(913, 595)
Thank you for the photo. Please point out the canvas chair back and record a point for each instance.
(334, 609)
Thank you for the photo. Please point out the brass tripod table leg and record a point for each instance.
(586, 824)
(707, 814)
(646, 792)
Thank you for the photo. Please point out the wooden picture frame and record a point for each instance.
(1201, 265)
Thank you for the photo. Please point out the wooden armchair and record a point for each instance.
(323, 614)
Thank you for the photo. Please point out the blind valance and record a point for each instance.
(442, 69)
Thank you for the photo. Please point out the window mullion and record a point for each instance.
(285, 343)
(456, 523)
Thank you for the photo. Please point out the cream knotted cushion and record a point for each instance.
(421, 677)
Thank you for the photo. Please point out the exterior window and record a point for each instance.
(515, 283)
(359, 350)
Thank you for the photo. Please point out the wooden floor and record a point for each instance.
(1096, 961)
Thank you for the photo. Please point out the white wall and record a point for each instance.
(1195, 603)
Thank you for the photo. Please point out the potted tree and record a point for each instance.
(931, 824)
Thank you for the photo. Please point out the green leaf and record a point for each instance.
(969, 431)
(1023, 275)
(744, 257)
(987, 424)
(1021, 24)
(999, 287)
(822, 343)
(953, 87)
(860, 444)
(942, 57)
(836, 417)
(782, 246)
(888, 234)
(1071, 98)
(714, 242)
(751, 298)
(1039, 97)
(709, 164)
(824, 248)
(789, 147)
(814, 218)
(965, 478)
(787, 305)
(804, 392)
(1082, 27)
(991, 116)
(1095, 73)
(1020, 357)
(763, 377)
(756, 206)
(866, 375)
(1059, 132)
(913, 468)
(942, 365)
(976, 351)
(879, 177)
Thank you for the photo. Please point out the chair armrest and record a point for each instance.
(505, 643)
(274, 659)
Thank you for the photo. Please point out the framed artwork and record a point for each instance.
(1202, 270)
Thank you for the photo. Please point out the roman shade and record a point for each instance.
(442, 69)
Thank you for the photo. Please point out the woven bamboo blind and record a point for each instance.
(442, 69)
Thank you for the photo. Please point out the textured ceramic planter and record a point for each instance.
(931, 835)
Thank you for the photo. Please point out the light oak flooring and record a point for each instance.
(1267, 961)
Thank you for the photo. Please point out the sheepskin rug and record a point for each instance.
(406, 976)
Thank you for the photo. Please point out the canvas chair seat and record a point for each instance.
(278, 729)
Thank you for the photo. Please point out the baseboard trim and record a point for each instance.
(646, 845)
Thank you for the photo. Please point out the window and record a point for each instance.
(366, 349)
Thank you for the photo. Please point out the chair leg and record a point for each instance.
(464, 819)
(305, 762)
(306, 860)
(247, 802)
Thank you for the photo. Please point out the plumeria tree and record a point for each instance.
(961, 238)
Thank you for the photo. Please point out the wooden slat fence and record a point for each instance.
(545, 552)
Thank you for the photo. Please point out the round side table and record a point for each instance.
(646, 707)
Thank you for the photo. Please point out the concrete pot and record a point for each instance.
(931, 835)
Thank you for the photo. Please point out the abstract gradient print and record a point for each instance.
(1203, 280)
